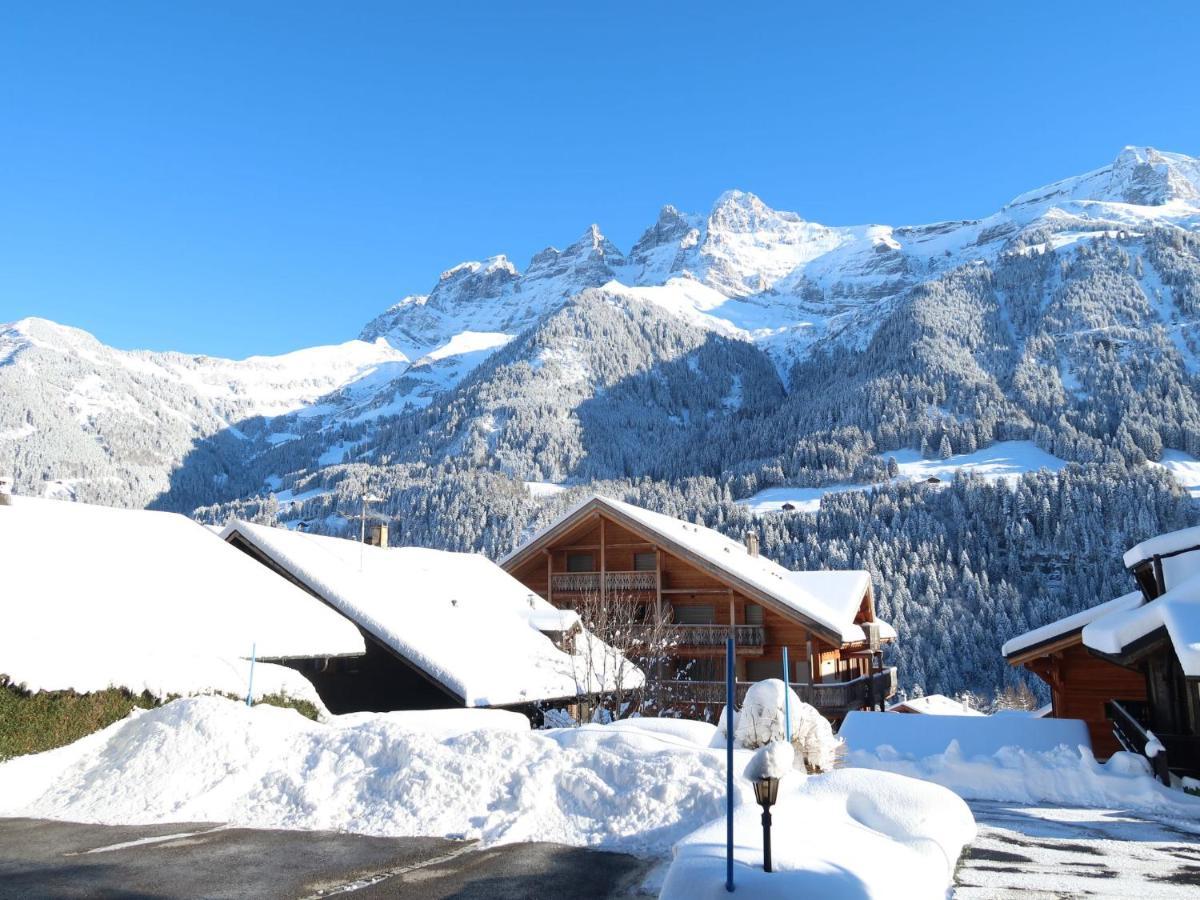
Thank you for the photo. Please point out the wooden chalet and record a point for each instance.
(1081, 683)
(1137, 657)
(710, 587)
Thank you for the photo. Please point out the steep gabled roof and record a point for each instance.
(88, 592)
(457, 617)
(827, 602)
(1023, 645)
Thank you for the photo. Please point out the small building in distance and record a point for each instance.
(933, 705)
(441, 629)
(710, 587)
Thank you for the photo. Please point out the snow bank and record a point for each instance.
(846, 834)
(476, 774)
(1065, 775)
(95, 597)
(482, 774)
(914, 737)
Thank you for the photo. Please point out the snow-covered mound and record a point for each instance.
(95, 597)
(1005, 757)
(480, 775)
(851, 833)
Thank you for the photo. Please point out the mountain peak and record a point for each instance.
(744, 212)
(1141, 176)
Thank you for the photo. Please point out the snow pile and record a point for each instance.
(95, 597)
(1069, 776)
(913, 737)
(775, 760)
(761, 721)
(851, 833)
(458, 617)
(1013, 758)
(637, 787)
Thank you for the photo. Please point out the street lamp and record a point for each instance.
(766, 790)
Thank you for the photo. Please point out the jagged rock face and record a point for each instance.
(769, 282)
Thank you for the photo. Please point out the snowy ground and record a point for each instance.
(1005, 460)
(1184, 468)
(647, 787)
(1037, 852)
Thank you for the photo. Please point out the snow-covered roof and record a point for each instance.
(829, 599)
(1069, 624)
(1177, 611)
(1162, 544)
(91, 594)
(935, 705)
(458, 617)
(1179, 553)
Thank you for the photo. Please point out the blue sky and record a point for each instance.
(236, 178)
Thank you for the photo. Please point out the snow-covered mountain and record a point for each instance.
(75, 411)
(489, 340)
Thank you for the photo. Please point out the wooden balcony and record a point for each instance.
(589, 582)
(830, 697)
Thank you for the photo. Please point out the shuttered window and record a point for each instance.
(695, 615)
(581, 562)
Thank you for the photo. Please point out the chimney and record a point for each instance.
(377, 536)
(752, 543)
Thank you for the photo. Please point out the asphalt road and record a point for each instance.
(44, 859)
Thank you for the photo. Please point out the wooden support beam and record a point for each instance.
(549, 576)
(603, 567)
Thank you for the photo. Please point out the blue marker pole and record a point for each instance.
(250, 690)
(787, 710)
(729, 764)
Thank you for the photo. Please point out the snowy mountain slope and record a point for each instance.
(119, 421)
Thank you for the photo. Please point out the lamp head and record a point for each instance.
(766, 791)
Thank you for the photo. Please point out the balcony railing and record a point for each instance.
(715, 635)
(830, 697)
(589, 582)
(1164, 752)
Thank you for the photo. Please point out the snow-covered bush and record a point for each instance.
(760, 722)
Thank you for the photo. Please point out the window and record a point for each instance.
(645, 562)
(581, 562)
(694, 615)
(762, 669)
(754, 614)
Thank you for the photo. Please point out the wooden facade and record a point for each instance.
(1081, 684)
(598, 551)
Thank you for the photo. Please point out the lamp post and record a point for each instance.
(766, 790)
